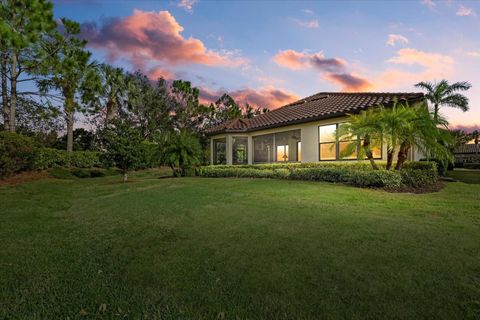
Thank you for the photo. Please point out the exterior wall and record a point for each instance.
(309, 139)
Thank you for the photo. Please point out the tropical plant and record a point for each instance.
(180, 150)
(443, 93)
(115, 89)
(364, 126)
(121, 145)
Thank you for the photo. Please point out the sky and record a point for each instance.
(270, 53)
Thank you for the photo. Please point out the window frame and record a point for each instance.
(337, 146)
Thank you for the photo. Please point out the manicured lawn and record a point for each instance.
(465, 175)
(196, 248)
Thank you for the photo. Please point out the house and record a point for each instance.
(302, 131)
(467, 153)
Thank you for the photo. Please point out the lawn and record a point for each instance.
(199, 248)
(465, 175)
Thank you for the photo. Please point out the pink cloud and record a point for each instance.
(466, 128)
(148, 36)
(430, 66)
(334, 69)
(295, 60)
(466, 12)
(309, 24)
(349, 82)
(264, 97)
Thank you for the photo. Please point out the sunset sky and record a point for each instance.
(271, 53)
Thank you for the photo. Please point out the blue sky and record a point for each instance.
(270, 53)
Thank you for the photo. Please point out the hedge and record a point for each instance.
(16, 152)
(413, 175)
(46, 158)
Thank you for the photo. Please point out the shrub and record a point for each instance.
(16, 152)
(61, 173)
(80, 173)
(419, 174)
(358, 178)
(84, 159)
(413, 174)
(53, 158)
(441, 165)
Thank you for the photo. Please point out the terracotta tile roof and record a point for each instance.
(468, 148)
(322, 105)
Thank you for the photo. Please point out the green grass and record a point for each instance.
(465, 175)
(199, 248)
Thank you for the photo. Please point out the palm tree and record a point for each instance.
(115, 89)
(366, 127)
(444, 94)
(180, 150)
(421, 131)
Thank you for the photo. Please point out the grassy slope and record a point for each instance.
(202, 248)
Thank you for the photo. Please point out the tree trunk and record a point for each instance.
(368, 152)
(111, 110)
(174, 170)
(13, 92)
(435, 113)
(69, 113)
(5, 108)
(389, 159)
(402, 155)
(125, 176)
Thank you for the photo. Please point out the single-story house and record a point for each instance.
(467, 153)
(302, 131)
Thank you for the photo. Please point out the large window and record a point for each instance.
(343, 149)
(220, 151)
(239, 150)
(278, 147)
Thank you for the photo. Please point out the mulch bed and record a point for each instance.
(26, 176)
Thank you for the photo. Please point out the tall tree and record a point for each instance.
(23, 25)
(115, 89)
(443, 93)
(149, 105)
(188, 113)
(71, 73)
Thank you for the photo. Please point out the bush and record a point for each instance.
(71, 173)
(16, 153)
(81, 173)
(413, 174)
(441, 165)
(60, 173)
(419, 174)
(358, 178)
(53, 158)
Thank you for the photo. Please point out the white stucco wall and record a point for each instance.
(309, 138)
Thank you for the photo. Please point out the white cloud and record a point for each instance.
(308, 11)
(187, 4)
(466, 12)
(394, 39)
(429, 3)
